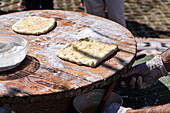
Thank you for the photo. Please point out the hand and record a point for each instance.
(115, 108)
(145, 74)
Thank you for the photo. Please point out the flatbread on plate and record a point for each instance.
(34, 25)
(86, 51)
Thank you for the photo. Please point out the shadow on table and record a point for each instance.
(27, 67)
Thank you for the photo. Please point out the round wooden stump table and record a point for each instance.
(45, 83)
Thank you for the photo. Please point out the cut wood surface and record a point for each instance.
(42, 74)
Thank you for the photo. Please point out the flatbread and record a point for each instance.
(86, 51)
(34, 25)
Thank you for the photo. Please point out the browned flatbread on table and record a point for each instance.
(86, 51)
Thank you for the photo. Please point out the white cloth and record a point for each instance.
(115, 108)
(123, 110)
(115, 9)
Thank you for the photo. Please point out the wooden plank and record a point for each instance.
(33, 78)
(44, 73)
